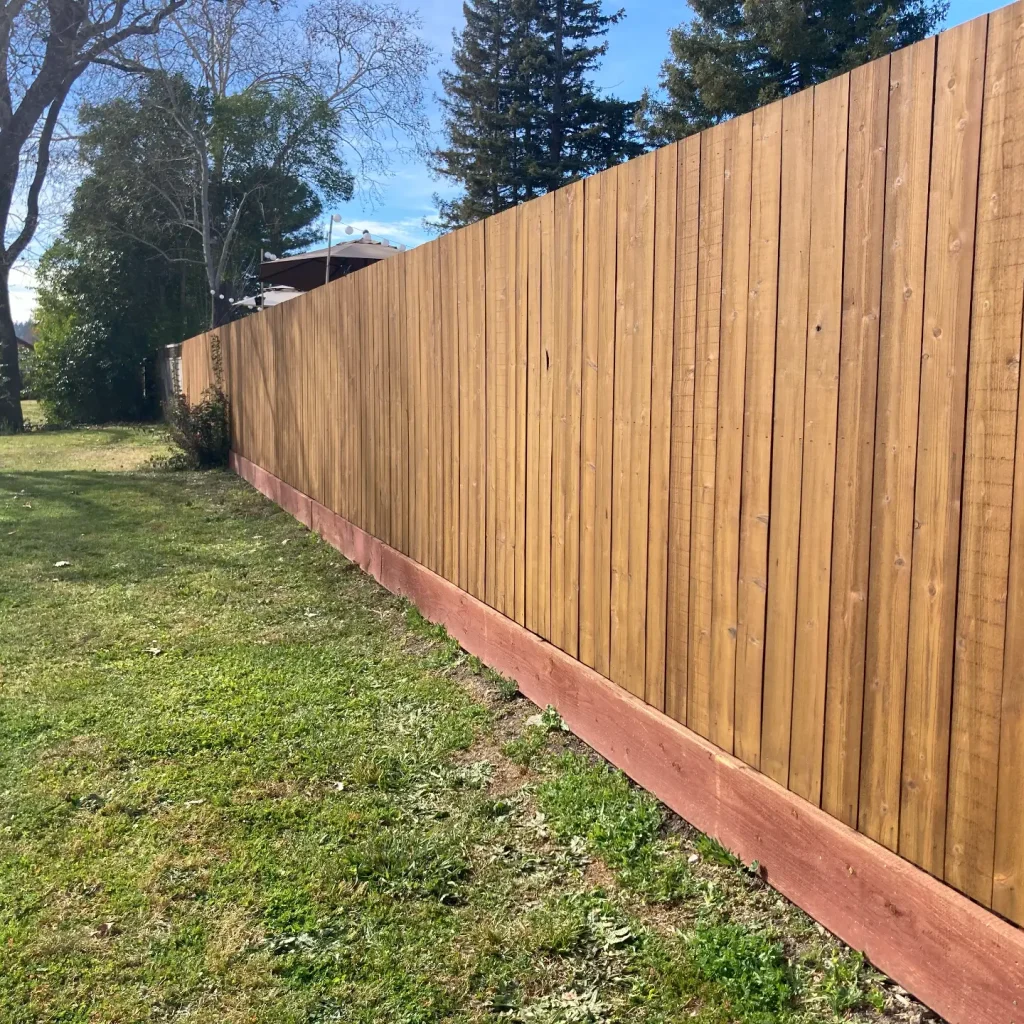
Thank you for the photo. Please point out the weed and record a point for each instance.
(551, 720)
(663, 876)
(508, 689)
(712, 851)
(527, 745)
(560, 926)
(590, 799)
(398, 863)
(446, 649)
(745, 967)
(845, 985)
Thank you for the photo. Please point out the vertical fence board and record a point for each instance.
(436, 415)
(465, 418)
(539, 217)
(821, 410)
(507, 513)
(529, 222)
(600, 223)
(959, 82)
(513, 398)
(330, 419)
(664, 309)
(381, 452)
(787, 434)
(347, 491)
(289, 396)
(729, 440)
(1008, 870)
(401, 349)
(705, 427)
(380, 410)
(383, 469)
(449, 398)
(429, 447)
(522, 315)
(361, 451)
(992, 395)
(364, 399)
(497, 301)
(376, 395)
(566, 396)
(858, 377)
(418, 317)
(548, 315)
(474, 412)
(632, 421)
(681, 460)
(892, 515)
(755, 498)
(557, 330)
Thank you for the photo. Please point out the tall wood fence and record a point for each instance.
(737, 424)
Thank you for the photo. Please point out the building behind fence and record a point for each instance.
(737, 424)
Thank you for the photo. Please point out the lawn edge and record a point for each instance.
(958, 958)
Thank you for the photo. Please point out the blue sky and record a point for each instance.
(636, 48)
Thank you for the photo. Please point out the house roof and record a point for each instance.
(305, 270)
(273, 295)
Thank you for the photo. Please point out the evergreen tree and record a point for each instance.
(483, 114)
(582, 131)
(522, 115)
(736, 55)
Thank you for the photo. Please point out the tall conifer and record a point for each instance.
(735, 55)
(522, 115)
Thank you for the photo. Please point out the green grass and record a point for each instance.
(33, 414)
(92, 449)
(241, 782)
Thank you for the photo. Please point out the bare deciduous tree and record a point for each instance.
(359, 63)
(45, 48)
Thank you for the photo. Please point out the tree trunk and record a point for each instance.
(10, 375)
(222, 312)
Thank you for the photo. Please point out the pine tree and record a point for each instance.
(739, 54)
(522, 116)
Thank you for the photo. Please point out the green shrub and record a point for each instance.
(84, 374)
(27, 367)
(201, 433)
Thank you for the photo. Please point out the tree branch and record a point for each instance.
(28, 228)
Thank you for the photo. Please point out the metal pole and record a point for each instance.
(327, 261)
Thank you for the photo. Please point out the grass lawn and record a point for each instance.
(241, 782)
(33, 413)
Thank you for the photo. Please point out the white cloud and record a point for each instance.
(405, 230)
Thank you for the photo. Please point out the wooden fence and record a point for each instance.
(736, 425)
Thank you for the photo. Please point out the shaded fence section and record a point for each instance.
(736, 424)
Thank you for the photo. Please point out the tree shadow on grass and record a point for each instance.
(107, 522)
